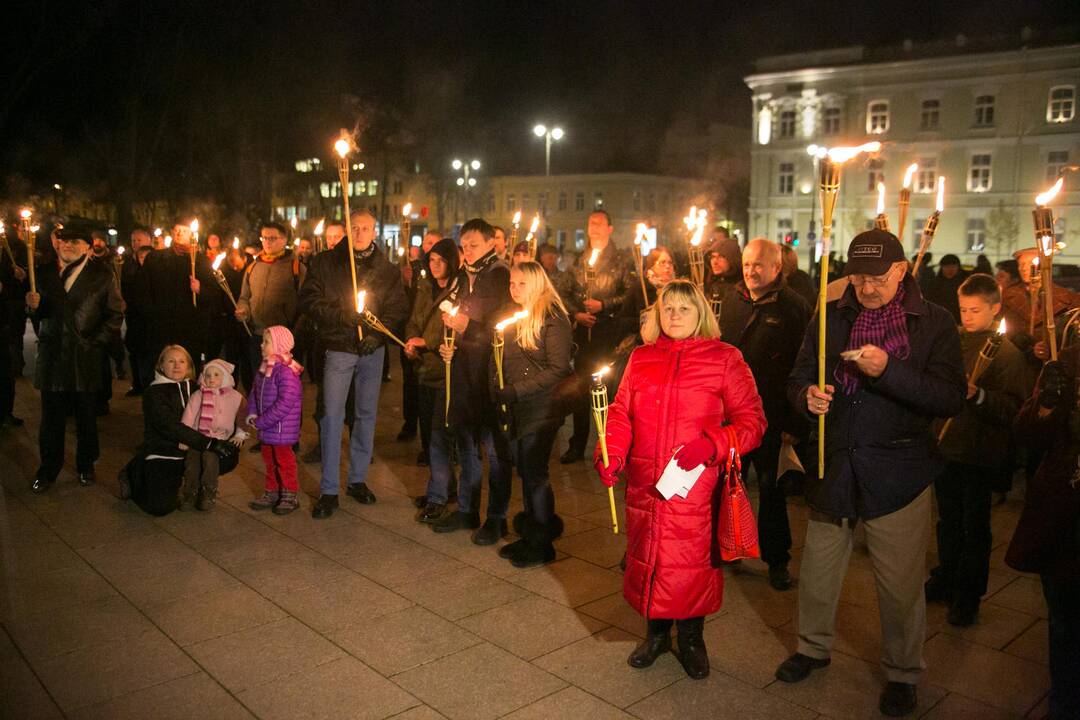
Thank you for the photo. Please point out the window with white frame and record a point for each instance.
(511, 202)
(976, 234)
(984, 111)
(830, 121)
(786, 127)
(926, 177)
(979, 176)
(786, 178)
(783, 228)
(1056, 160)
(1061, 104)
(579, 201)
(875, 174)
(930, 117)
(877, 117)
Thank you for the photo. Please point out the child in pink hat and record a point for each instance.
(274, 409)
(213, 410)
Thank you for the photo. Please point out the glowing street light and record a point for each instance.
(550, 135)
(466, 169)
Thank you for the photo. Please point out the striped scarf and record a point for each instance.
(206, 410)
(886, 328)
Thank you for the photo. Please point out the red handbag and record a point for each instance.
(736, 530)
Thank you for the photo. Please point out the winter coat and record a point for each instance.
(610, 283)
(426, 322)
(228, 411)
(768, 332)
(163, 407)
(675, 391)
(801, 283)
(729, 249)
(942, 291)
(878, 447)
(76, 327)
(328, 298)
(535, 374)
(980, 435)
(278, 402)
(1047, 538)
(271, 290)
(135, 294)
(171, 317)
(482, 300)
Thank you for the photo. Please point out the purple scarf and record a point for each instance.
(886, 328)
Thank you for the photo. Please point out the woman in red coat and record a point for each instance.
(679, 391)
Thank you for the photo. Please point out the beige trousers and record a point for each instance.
(897, 545)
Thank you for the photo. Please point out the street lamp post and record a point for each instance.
(550, 135)
(465, 181)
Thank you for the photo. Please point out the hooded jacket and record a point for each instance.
(163, 406)
(425, 321)
(277, 398)
(729, 250)
(225, 405)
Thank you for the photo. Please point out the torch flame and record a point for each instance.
(195, 226)
(157, 232)
(1001, 327)
(690, 219)
(1047, 245)
(503, 324)
(120, 250)
(407, 210)
(217, 262)
(3, 228)
(236, 243)
(168, 241)
(320, 226)
(452, 312)
(940, 193)
(360, 300)
(25, 213)
(639, 235)
(401, 252)
(880, 198)
(342, 147)
(1044, 199)
(517, 218)
(594, 257)
(843, 154)
(700, 230)
(535, 224)
(910, 173)
(292, 223)
(601, 373)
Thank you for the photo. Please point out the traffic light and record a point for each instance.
(795, 239)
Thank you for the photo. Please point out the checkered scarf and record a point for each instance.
(885, 327)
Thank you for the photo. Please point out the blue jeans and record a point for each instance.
(469, 439)
(364, 372)
(1063, 605)
(531, 456)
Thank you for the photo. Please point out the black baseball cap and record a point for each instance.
(873, 252)
(76, 230)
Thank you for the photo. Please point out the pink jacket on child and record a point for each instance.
(223, 407)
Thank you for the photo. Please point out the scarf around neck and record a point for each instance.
(489, 259)
(885, 327)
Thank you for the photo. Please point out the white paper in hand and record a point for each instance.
(676, 481)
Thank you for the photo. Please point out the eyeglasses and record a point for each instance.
(872, 280)
(270, 238)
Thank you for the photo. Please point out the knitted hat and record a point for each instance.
(226, 369)
(281, 343)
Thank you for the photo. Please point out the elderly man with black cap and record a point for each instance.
(893, 364)
(78, 308)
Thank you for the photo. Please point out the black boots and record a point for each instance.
(657, 642)
(691, 651)
(534, 547)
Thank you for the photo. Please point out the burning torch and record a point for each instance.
(192, 249)
(224, 285)
(986, 356)
(449, 336)
(343, 147)
(531, 237)
(905, 199)
(404, 240)
(930, 229)
(599, 396)
(319, 235)
(697, 253)
(498, 344)
(590, 273)
(639, 238)
(374, 322)
(1045, 243)
(28, 232)
(513, 233)
(881, 222)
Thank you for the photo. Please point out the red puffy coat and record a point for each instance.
(674, 391)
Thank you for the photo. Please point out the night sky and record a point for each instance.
(193, 93)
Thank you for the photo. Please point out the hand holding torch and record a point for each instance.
(374, 322)
(449, 336)
(905, 199)
(987, 354)
(224, 285)
(930, 229)
(343, 147)
(498, 344)
(599, 397)
(1045, 243)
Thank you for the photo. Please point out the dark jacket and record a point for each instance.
(716, 285)
(76, 327)
(878, 448)
(980, 434)
(172, 318)
(942, 290)
(328, 298)
(534, 374)
(426, 322)
(610, 283)
(163, 406)
(768, 331)
(1047, 538)
(481, 299)
(800, 282)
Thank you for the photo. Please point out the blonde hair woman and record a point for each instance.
(536, 359)
(677, 395)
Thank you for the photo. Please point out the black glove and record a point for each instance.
(1053, 384)
(222, 448)
(507, 395)
(369, 344)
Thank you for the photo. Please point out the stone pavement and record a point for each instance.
(109, 613)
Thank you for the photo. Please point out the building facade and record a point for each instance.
(998, 124)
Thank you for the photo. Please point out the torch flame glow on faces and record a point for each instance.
(319, 227)
(407, 210)
(517, 218)
(843, 154)
(880, 198)
(360, 300)
(594, 257)
(503, 324)
(1001, 327)
(599, 374)
(910, 173)
(218, 261)
(940, 193)
(1043, 199)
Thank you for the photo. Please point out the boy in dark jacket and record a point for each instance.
(974, 446)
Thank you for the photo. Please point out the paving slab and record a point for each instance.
(403, 640)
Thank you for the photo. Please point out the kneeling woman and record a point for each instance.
(153, 478)
(535, 360)
(679, 392)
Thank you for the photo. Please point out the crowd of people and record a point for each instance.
(924, 401)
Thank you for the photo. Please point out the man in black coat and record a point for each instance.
(766, 320)
(901, 367)
(78, 308)
(327, 297)
(134, 293)
(483, 291)
(595, 303)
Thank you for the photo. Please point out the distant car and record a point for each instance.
(1067, 276)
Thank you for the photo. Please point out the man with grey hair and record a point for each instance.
(896, 363)
(766, 320)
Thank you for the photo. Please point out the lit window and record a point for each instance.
(984, 110)
(302, 212)
(1061, 106)
(830, 121)
(979, 178)
(579, 201)
(927, 175)
(877, 117)
(930, 116)
(876, 174)
(1056, 160)
(372, 188)
(783, 228)
(511, 202)
(579, 239)
(598, 199)
(787, 124)
(764, 130)
(324, 189)
(976, 234)
(562, 200)
(303, 166)
(786, 177)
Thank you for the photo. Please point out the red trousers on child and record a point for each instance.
(280, 468)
